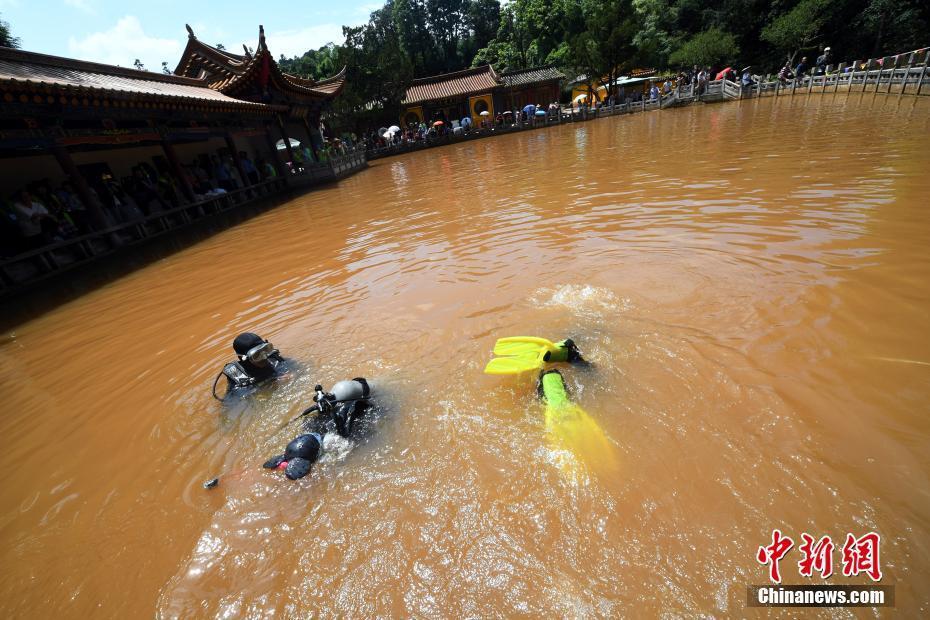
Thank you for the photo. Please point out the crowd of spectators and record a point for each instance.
(43, 213)
(441, 127)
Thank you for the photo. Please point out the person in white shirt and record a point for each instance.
(30, 216)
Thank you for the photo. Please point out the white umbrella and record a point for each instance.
(281, 147)
(393, 129)
(485, 113)
(580, 97)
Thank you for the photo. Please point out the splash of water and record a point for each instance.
(583, 300)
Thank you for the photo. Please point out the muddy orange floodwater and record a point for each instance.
(751, 281)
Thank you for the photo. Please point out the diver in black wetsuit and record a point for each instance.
(337, 410)
(257, 361)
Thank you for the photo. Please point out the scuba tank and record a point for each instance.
(347, 402)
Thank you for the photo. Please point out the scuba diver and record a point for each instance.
(569, 427)
(257, 361)
(338, 410)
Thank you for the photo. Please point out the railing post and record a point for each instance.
(923, 71)
(865, 78)
(880, 72)
(852, 76)
(894, 69)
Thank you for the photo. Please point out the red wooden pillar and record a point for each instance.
(80, 186)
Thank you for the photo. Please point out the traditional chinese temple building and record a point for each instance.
(481, 89)
(89, 124)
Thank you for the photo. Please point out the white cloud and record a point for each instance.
(81, 5)
(123, 43)
(296, 42)
(365, 10)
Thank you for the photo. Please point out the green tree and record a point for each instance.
(894, 25)
(653, 38)
(709, 48)
(604, 49)
(313, 64)
(378, 73)
(410, 22)
(799, 27)
(6, 37)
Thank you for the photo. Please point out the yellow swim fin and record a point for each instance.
(522, 353)
(514, 365)
(573, 430)
(522, 345)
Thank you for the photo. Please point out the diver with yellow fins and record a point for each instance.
(570, 427)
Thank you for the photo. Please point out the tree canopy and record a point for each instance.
(6, 37)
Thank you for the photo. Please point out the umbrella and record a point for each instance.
(485, 113)
(438, 123)
(393, 128)
(382, 131)
(540, 112)
(580, 97)
(280, 144)
(529, 109)
(508, 113)
(723, 74)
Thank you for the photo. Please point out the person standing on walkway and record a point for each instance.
(747, 82)
(823, 60)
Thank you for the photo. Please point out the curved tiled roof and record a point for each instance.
(19, 67)
(475, 81)
(226, 72)
(523, 77)
(465, 82)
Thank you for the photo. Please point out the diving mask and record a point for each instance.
(260, 353)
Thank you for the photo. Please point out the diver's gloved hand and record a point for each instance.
(274, 462)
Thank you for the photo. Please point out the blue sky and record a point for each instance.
(118, 32)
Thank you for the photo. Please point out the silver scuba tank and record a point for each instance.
(353, 389)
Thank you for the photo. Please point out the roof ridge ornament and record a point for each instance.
(261, 39)
(248, 54)
(190, 31)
